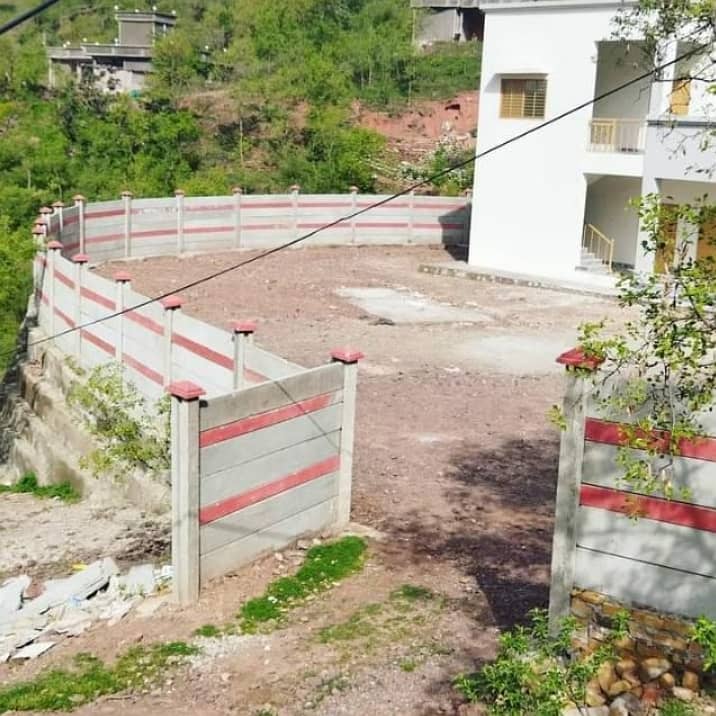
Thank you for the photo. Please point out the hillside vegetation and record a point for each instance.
(246, 92)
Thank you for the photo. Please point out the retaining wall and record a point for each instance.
(148, 227)
(638, 550)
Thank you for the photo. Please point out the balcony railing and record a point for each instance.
(617, 135)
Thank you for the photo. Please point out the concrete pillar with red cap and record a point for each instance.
(127, 201)
(171, 304)
(80, 202)
(354, 208)
(295, 192)
(237, 193)
(468, 217)
(46, 217)
(180, 194)
(38, 235)
(349, 357)
(569, 479)
(53, 251)
(123, 283)
(185, 406)
(80, 262)
(58, 208)
(243, 337)
(411, 218)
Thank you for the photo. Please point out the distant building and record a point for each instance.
(447, 21)
(122, 66)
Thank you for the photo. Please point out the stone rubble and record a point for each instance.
(69, 606)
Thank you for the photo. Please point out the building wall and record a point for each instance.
(528, 204)
(607, 208)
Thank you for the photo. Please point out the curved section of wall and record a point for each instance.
(150, 227)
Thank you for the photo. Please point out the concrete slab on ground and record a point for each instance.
(517, 353)
(409, 307)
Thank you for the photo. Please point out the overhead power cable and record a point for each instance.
(27, 15)
(348, 217)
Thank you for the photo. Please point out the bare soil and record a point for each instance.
(455, 465)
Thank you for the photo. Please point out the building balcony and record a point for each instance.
(624, 136)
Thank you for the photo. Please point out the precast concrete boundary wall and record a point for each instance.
(262, 448)
(637, 549)
(132, 227)
(259, 467)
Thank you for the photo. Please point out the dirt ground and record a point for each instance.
(455, 467)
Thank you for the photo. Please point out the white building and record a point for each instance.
(540, 200)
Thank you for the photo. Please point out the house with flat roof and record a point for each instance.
(122, 66)
(447, 21)
(556, 203)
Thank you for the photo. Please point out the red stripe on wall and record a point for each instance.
(208, 229)
(103, 238)
(97, 341)
(608, 433)
(44, 298)
(145, 370)
(203, 351)
(438, 226)
(266, 205)
(64, 279)
(97, 298)
(263, 420)
(65, 317)
(150, 233)
(72, 247)
(70, 221)
(652, 508)
(102, 214)
(239, 502)
(145, 322)
(253, 376)
(318, 225)
(325, 205)
(383, 225)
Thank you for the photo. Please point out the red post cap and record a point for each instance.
(346, 355)
(172, 302)
(126, 194)
(185, 390)
(295, 188)
(353, 189)
(78, 198)
(122, 276)
(54, 245)
(237, 190)
(244, 326)
(58, 204)
(179, 192)
(80, 258)
(38, 230)
(45, 210)
(577, 358)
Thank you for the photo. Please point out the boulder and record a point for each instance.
(625, 665)
(690, 680)
(606, 676)
(684, 694)
(653, 667)
(619, 687)
(667, 681)
(626, 705)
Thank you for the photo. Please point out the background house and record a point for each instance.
(556, 201)
(122, 66)
(447, 20)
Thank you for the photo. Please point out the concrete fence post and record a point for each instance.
(185, 489)
(58, 208)
(123, 283)
(80, 203)
(171, 304)
(411, 218)
(354, 208)
(295, 191)
(569, 480)
(468, 217)
(243, 337)
(45, 214)
(38, 236)
(179, 194)
(53, 251)
(237, 192)
(79, 260)
(349, 358)
(127, 199)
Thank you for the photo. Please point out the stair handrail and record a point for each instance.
(604, 245)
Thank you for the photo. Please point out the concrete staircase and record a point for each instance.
(590, 263)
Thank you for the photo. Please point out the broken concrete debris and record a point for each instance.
(69, 606)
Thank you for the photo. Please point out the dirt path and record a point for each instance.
(455, 464)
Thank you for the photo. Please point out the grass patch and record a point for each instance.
(208, 631)
(324, 565)
(28, 484)
(359, 625)
(90, 678)
(412, 593)
(408, 665)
